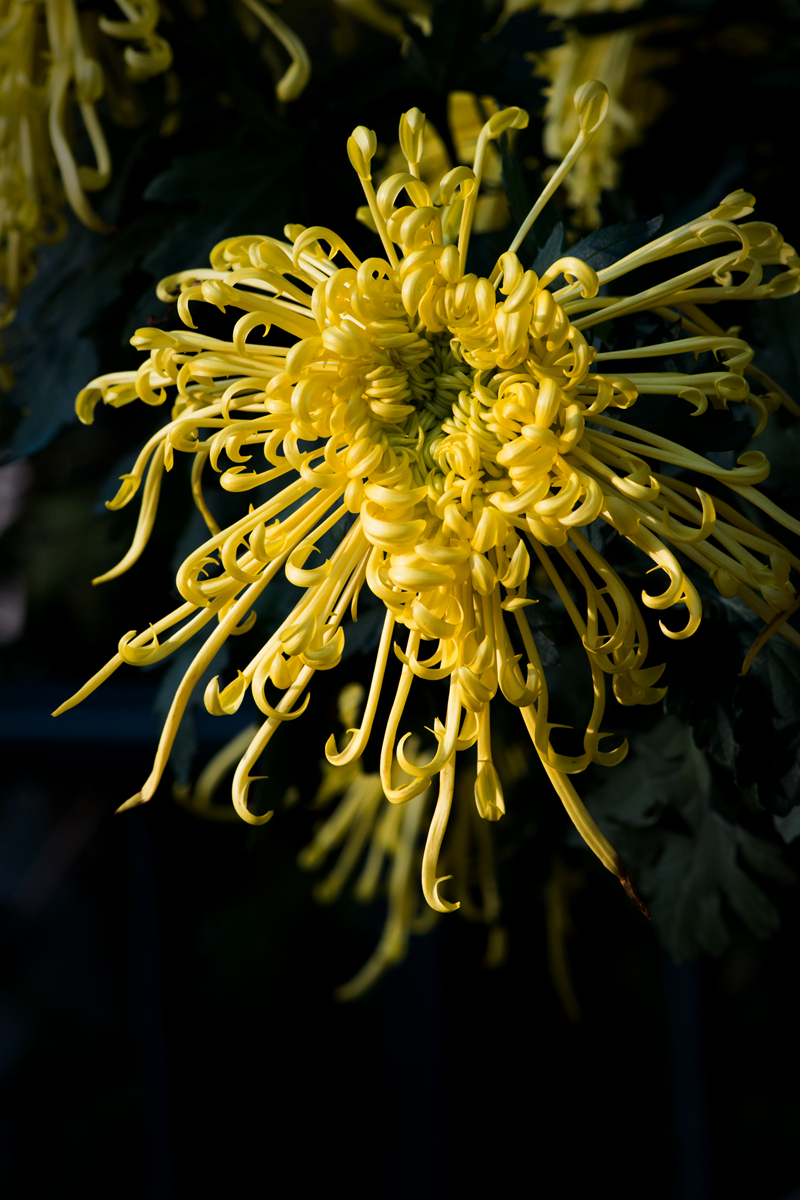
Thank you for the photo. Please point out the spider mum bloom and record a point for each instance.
(462, 425)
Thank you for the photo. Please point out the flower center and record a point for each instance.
(435, 383)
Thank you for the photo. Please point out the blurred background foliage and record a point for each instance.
(165, 980)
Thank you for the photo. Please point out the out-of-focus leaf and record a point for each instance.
(789, 826)
(551, 250)
(686, 877)
(461, 53)
(231, 189)
(635, 793)
(48, 389)
(58, 356)
(775, 327)
(763, 857)
(768, 728)
(690, 881)
(752, 723)
(607, 245)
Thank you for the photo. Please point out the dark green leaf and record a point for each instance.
(685, 876)
(550, 251)
(605, 246)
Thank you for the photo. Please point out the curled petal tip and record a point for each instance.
(134, 802)
(438, 902)
(591, 105)
(361, 147)
(632, 893)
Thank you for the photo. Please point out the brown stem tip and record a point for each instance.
(631, 891)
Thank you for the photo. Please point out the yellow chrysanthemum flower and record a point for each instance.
(50, 70)
(636, 100)
(461, 426)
